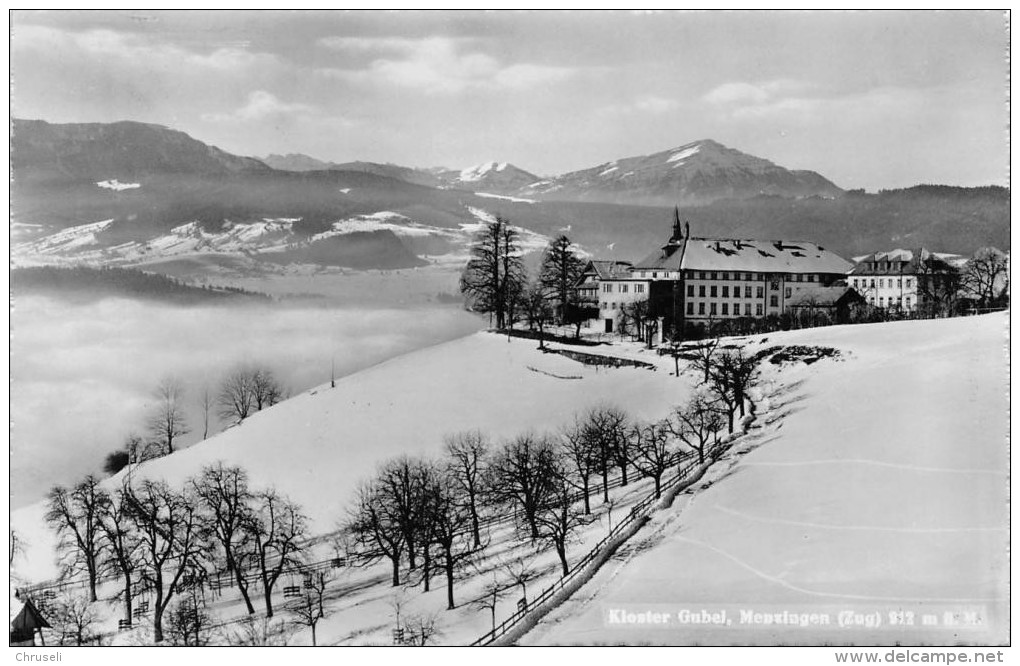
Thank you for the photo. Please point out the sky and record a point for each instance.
(867, 99)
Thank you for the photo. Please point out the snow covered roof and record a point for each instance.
(752, 256)
(899, 261)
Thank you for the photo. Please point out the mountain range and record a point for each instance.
(124, 193)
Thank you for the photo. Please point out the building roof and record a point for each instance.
(608, 269)
(899, 261)
(817, 296)
(758, 256)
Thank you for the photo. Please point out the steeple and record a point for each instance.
(678, 233)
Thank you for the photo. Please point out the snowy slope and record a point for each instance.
(879, 485)
(317, 446)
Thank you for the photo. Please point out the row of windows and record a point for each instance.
(870, 284)
(725, 275)
(713, 291)
(607, 288)
(724, 308)
(897, 302)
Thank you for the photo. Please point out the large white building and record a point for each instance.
(902, 279)
(694, 279)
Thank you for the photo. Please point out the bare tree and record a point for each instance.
(16, 547)
(652, 453)
(266, 389)
(375, 529)
(205, 403)
(75, 514)
(168, 525)
(579, 449)
(187, 621)
(74, 617)
(166, 421)
(254, 631)
(236, 396)
(491, 596)
(732, 377)
(537, 310)
(557, 517)
(450, 519)
(696, 423)
(561, 269)
(605, 426)
(226, 502)
(421, 629)
(466, 453)
(310, 607)
(521, 571)
(275, 527)
(985, 274)
(522, 476)
(494, 273)
(122, 544)
(703, 357)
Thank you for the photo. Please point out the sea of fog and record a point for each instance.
(82, 375)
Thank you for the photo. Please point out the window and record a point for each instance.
(701, 308)
(701, 275)
(714, 291)
(606, 288)
(690, 290)
(899, 283)
(881, 283)
(855, 283)
(909, 283)
(758, 309)
(775, 284)
(726, 308)
(736, 309)
(761, 292)
(881, 301)
(747, 291)
(908, 302)
(624, 288)
(810, 278)
(639, 289)
(789, 292)
(655, 275)
(701, 291)
(748, 277)
(800, 278)
(725, 276)
(711, 309)
(872, 283)
(690, 308)
(725, 292)
(773, 301)
(715, 276)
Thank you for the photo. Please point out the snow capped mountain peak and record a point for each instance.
(477, 172)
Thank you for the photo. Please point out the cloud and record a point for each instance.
(264, 106)
(740, 93)
(877, 106)
(442, 65)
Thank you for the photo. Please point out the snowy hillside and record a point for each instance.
(877, 484)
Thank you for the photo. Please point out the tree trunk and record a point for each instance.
(92, 583)
(268, 593)
(313, 634)
(658, 486)
(449, 582)
(587, 502)
(157, 624)
(242, 585)
(474, 524)
(127, 597)
(605, 482)
(623, 473)
(396, 571)
(561, 550)
(426, 565)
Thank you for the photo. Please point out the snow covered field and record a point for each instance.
(874, 483)
(878, 484)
